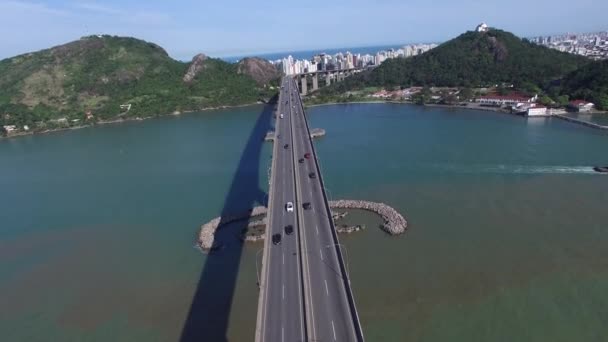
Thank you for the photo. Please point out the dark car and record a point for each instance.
(307, 155)
(288, 229)
(306, 205)
(312, 175)
(286, 146)
(602, 169)
(301, 160)
(276, 239)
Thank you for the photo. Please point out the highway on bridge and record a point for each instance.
(281, 297)
(305, 292)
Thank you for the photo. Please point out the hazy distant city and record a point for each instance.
(348, 60)
(592, 45)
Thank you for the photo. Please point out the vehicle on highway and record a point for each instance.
(289, 207)
(307, 155)
(312, 175)
(306, 205)
(281, 116)
(288, 229)
(276, 239)
(601, 169)
(301, 160)
(286, 146)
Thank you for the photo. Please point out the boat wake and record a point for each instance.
(519, 169)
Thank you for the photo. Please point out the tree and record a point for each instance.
(546, 100)
(466, 94)
(563, 100)
(601, 102)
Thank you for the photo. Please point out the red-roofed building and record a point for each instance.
(514, 100)
(581, 105)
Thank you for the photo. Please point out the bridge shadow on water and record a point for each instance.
(210, 309)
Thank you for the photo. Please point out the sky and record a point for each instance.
(245, 27)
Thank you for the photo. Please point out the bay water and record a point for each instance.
(507, 238)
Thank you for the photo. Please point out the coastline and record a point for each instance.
(121, 120)
(432, 105)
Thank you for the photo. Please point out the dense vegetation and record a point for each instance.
(99, 74)
(588, 83)
(474, 59)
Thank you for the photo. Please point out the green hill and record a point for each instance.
(474, 59)
(590, 83)
(101, 73)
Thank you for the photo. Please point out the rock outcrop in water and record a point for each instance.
(394, 223)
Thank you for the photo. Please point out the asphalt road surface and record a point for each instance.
(304, 294)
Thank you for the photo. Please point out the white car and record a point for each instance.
(289, 207)
(281, 116)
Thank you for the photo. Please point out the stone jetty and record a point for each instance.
(581, 122)
(394, 223)
(207, 232)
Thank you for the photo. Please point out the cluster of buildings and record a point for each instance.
(519, 103)
(527, 104)
(592, 45)
(345, 61)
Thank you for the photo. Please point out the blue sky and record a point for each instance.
(237, 27)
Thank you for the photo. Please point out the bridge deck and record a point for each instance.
(308, 296)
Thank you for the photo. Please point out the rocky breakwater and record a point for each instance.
(394, 223)
(207, 232)
(270, 136)
(317, 132)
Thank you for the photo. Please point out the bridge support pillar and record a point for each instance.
(340, 76)
(303, 85)
(327, 79)
(315, 82)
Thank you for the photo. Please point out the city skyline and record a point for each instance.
(252, 29)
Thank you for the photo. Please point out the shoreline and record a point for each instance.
(432, 105)
(120, 120)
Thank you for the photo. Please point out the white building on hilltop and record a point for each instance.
(483, 27)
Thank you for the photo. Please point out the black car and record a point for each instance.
(286, 146)
(602, 169)
(276, 239)
(312, 175)
(306, 205)
(288, 229)
(301, 160)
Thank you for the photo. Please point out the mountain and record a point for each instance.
(473, 59)
(589, 83)
(261, 70)
(116, 77)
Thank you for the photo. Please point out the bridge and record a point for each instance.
(305, 292)
(312, 78)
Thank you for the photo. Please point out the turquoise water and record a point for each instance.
(507, 236)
